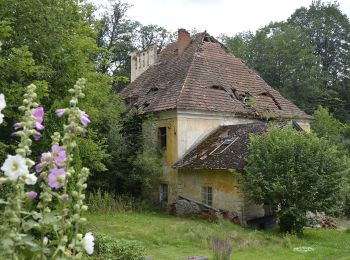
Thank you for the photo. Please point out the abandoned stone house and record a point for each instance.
(206, 102)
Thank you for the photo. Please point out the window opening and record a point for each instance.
(207, 195)
(162, 137)
(224, 145)
(163, 193)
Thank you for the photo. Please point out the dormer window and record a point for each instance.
(218, 87)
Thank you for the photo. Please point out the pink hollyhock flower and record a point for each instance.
(32, 194)
(56, 178)
(38, 113)
(37, 136)
(84, 118)
(58, 154)
(17, 126)
(39, 167)
(59, 112)
(45, 158)
(65, 197)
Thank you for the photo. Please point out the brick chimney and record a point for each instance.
(183, 40)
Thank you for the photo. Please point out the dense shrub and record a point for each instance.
(295, 172)
(108, 248)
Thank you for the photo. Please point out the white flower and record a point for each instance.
(88, 242)
(1, 118)
(30, 179)
(14, 166)
(2, 102)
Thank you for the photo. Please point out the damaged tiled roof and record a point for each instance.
(225, 148)
(206, 77)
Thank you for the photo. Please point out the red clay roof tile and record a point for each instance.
(186, 80)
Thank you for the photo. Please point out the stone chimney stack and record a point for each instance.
(183, 40)
(142, 60)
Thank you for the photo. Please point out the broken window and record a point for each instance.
(163, 192)
(162, 137)
(207, 195)
(224, 145)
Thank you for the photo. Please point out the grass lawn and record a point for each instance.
(174, 238)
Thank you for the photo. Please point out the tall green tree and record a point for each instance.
(285, 60)
(328, 29)
(118, 36)
(306, 58)
(52, 44)
(115, 36)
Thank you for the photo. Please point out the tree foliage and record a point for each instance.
(306, 58)
(294, 172)
(118, 36)
(52, 44)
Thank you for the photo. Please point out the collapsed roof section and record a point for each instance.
(225, 148)
(198, 73)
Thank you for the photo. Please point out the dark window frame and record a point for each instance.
(162, 137)
(207, 195)
(163, 192)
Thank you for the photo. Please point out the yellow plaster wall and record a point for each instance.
(194, 128)
(169, 175)
(227, 194)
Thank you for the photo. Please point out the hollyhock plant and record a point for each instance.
(2, 102)
(84, 118)
(45, 240)
(37, 136)
(17, 126)
(32, 194)
(65, 197)
(88, 242)
(14, 166)
(55, 208)
(2, 106)
(58, 154)
(60, 112)
(38, 113)
(45, 158)
(56, 178)
(30, 179)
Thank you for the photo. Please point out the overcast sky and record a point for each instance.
(216, 16)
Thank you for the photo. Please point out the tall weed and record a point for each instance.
(107, 203)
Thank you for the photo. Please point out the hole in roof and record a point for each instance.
(267, 94)
(240, 95)
(208, 38)
(218, 87)
(146, 104)
(131, 100)
(224, 145)
(153, 90)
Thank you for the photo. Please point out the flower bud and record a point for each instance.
(45, 241)
(3, 180)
